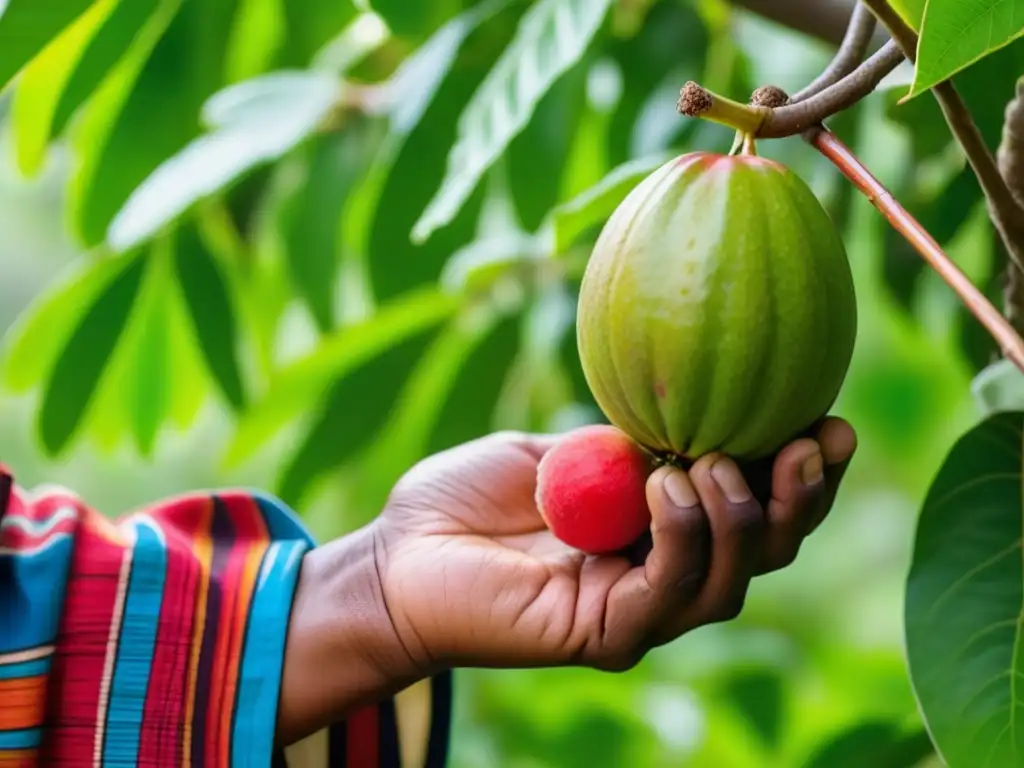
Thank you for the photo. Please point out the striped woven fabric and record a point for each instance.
(158, 640)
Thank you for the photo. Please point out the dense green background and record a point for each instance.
(311, 249)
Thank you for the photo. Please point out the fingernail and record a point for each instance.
(731, 481)
(812, 472)
(680, 491)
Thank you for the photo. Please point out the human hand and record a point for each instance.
(471, 576)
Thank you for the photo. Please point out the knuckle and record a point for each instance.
(729, 608)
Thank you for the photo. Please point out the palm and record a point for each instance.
(505, 575)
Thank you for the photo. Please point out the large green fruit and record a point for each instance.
(717, 312)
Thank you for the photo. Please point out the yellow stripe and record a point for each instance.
(412, 717)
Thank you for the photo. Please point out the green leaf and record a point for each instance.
(146, 383)
(430, 89)
(669, 49)
(38, 95)
(28, 26)
(304, 381)
(254, 122)
(911, 11)
(129, 21)
(875, 743)
(593, 207)
(120, 142)
(551, 38)
(476, 267)
(415, 19)
(538, 156)
(354, 410)
(468, 409)
(208, 298)
(33, 344)
(964, 599)
(957, 33)
(329, 167)
(76, 373)
(311, 24)
(999, 388)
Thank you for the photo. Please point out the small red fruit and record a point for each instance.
(591, 490)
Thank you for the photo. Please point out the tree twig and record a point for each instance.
(767, 123)
(840, 155)
(850, 54)
(1006, 214)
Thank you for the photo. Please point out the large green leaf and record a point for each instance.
(965, 599)
(138, 121)
(957, 33)
(149, 376)
(306, 380)
(354, 410)
(878, 744)
(207, 296)
(310, 213)
(537, 157)
(592, 207)
(551, 38)
(33, 344)
(253, 123)
(430, 89)
(28, 26)
(38, 96)
(106, 48)
(76, 373)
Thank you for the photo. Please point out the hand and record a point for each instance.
(471, 576)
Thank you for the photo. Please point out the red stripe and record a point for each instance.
(250, 530)
(164, 715)
(78, 663)
(363, 739)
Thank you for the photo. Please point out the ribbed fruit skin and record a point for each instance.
(717, 311)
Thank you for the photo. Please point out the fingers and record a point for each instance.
(805, 478)
(737, 523)
(660, 589)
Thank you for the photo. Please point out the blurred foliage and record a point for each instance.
(302, 245)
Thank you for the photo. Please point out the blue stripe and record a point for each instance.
(33, 591)
(134, 661)
(263, 655)
(282, 523)
(26, 738)
(25, 668)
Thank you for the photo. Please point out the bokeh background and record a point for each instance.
(817, 653)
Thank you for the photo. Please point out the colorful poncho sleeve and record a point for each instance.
(158, 640)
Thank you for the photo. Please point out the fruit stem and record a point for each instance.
(853, 169)
(697, 101)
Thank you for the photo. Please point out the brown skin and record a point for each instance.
(459, 570)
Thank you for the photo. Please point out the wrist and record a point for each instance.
(342, 651)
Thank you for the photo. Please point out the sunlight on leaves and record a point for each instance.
(552, 36)
(255, 122)
(957, 33)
